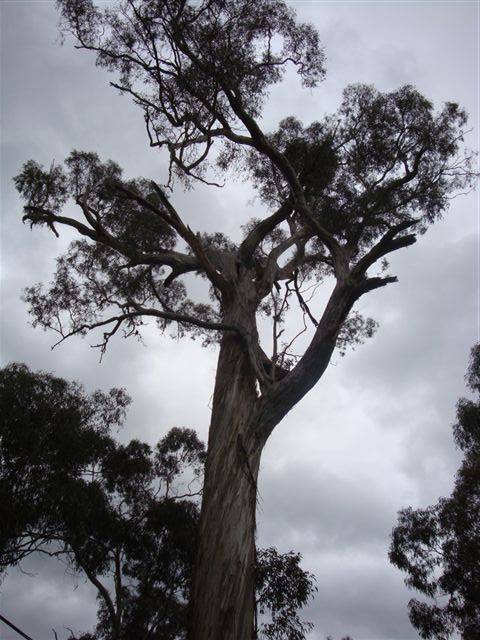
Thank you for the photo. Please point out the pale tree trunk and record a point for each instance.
(223, 589)
(223, 585)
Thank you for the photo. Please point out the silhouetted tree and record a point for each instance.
(123, 515)
(439, 547)
(343, 193)
(282, 588)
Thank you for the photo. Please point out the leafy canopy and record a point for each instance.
(342, 191)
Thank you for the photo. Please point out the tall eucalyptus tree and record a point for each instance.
(343, 193)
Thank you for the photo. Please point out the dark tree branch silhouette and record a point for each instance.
(15, 628)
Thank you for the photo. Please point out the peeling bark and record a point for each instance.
(223, 589)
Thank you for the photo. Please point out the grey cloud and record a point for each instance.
(336, 513)
(353, 603)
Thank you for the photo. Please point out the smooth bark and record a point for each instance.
(223, 590)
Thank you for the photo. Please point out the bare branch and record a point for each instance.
(369, 284)
(303, 305)
(118, 320)
(272, 269)
(15, 628)
(387, 244)
(261, 230)
(185, 319)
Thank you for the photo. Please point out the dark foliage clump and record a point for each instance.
(439, 547)
(124, 516)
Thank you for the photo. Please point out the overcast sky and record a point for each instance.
(375, 434)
